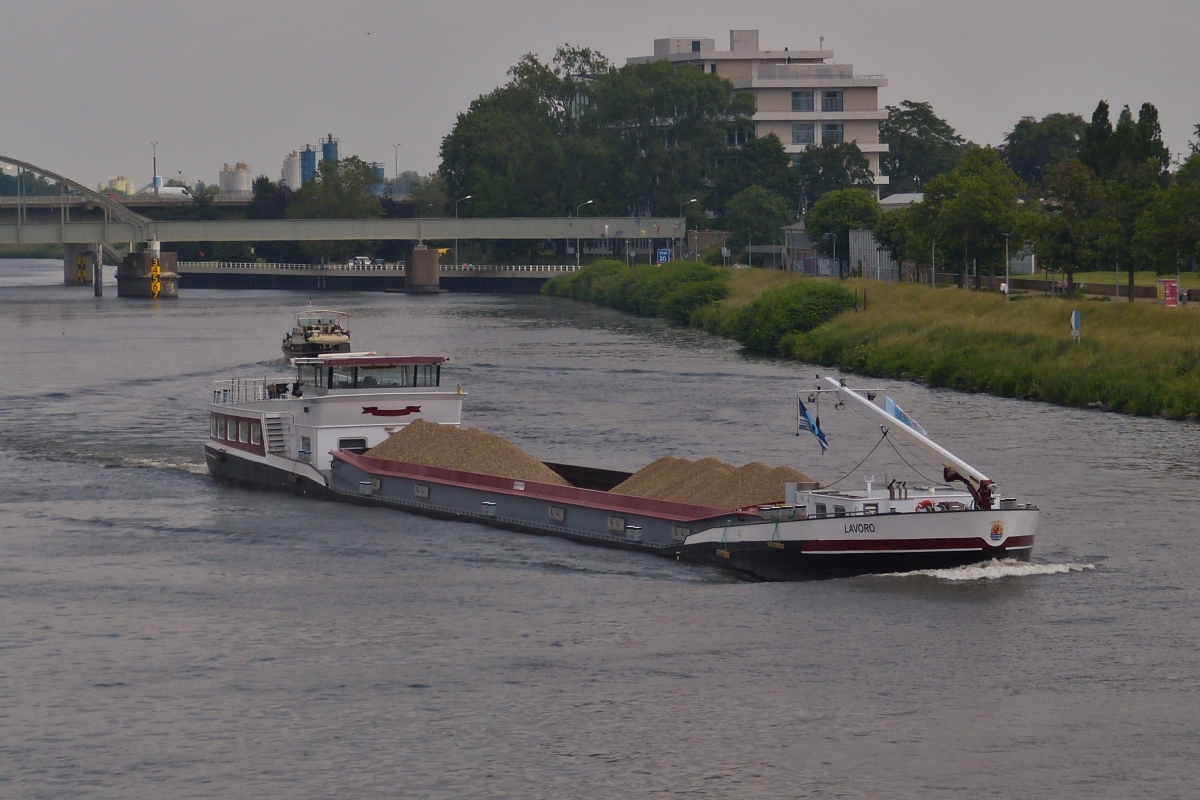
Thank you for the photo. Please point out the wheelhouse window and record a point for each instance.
(341, 378)
(803, 132)
(310, 378)
(802, 100)
(353, 445)
(833, 132)
(832, 100)
(385, 377)
(427, 375)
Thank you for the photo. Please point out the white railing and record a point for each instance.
(240, 390)
(508, 268)
(391, 269)
(225, 266)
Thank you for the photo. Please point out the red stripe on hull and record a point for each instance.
(908, 545)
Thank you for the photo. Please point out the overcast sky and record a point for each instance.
(88, 85)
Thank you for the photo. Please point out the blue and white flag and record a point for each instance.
(805, 421)
(896, 411)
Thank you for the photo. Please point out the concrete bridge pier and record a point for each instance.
(98, 270)
(77, 264)
(421, 273)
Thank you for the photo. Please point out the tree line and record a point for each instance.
(1080, 195)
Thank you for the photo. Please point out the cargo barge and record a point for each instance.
(309, 436)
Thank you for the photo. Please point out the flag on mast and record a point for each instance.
(893, 410)
(805, 421)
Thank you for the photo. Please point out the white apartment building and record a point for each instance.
(802, 96)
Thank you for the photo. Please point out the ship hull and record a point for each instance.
(742, 542)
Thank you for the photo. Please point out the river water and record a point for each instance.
(163, 636)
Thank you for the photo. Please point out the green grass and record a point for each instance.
(1135, 358)
(1187, 280)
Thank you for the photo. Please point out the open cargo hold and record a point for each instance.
(583, 514)
(708, 482)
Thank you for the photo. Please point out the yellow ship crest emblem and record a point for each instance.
(997, 530)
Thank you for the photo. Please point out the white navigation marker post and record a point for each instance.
(1076, 324)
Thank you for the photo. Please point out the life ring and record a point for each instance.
(925, 505)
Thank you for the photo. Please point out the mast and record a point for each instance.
(953, 467)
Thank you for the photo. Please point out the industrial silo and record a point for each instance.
(289, 176)
(329, 149)
(380, 178)
(308, 164)
(235, 181)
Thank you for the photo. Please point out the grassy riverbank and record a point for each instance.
(1135, 358)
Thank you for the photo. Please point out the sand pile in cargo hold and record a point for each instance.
(467, 449)
(709, 482)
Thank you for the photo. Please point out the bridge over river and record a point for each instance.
(86, 222)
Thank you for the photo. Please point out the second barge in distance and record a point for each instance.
(309, 435)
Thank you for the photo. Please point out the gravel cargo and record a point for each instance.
(467, 449)
(709, 482)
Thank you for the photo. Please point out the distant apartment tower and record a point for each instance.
(802, 96)
(236, 180)
(308, 164)
(289, 176)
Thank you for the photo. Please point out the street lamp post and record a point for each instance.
(396, 166)
(456, 202)
(681, 205)
(154, 177)
(1007, 281)
(581, 205)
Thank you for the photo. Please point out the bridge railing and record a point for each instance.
(396, 268)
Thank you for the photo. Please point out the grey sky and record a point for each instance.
(88, 85)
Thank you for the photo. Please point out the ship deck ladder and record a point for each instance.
(275, 443)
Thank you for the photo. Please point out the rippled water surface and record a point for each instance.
(163, 636)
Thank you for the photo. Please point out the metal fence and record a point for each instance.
(870, 260)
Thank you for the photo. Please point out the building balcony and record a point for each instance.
(820, 116)
(773, 81)
(866, 147)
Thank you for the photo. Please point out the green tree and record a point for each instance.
(970, 208)
(29, 184)
(1033, 146)
(268, 200)
(921, 146)
(339, 190)
(1076, 228)
(907, 234)
(762, 161)
(829, 222)
(757, 216)
(653, 135)
(829, 166)
(1167, 234)
(1127, 151)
